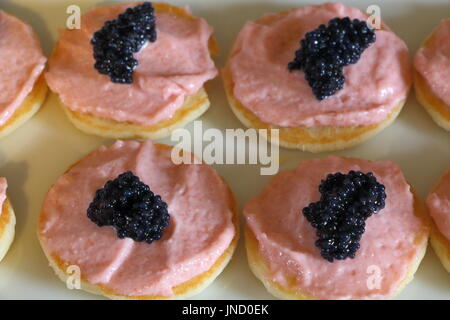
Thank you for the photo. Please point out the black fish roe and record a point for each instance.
(326, 50)
(131, 208)
(346, 201)
(115, 43)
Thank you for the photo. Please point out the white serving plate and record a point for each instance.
(34, 156)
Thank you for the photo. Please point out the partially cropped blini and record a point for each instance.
(299, 71)
(141, 90)
(22, 85)
(7, 220)
(438, 203)
(137, 225)
(336, 228)
(432, 74)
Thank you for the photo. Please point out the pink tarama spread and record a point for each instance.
(3, 186)
(376, 84)
(287, 240)
(174, 66)
(200, 229)
(438, 203)
(432, 61)
(21, 63)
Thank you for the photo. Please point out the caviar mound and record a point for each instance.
(115, 43)
(346, 201)
(326, 50)
(131, 208)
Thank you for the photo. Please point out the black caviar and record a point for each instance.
(131, 208)
(326, 50)
(346, 201)
(115, 43)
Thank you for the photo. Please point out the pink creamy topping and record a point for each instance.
(376, 84)
(438, 203)
(200, 229)
(3, 186)
(287, 240)
(433, 62)
(174, 66)
(21, 63)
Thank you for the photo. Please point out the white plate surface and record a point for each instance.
(34, 156)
